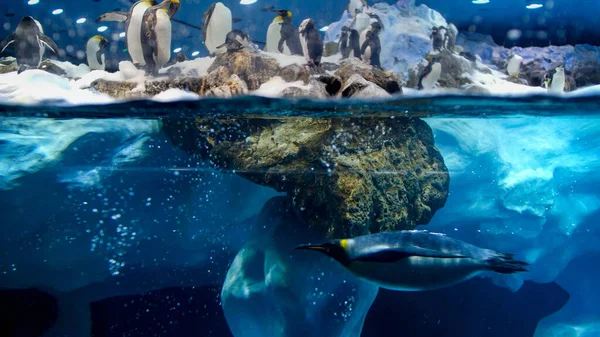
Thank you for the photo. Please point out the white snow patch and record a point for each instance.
(200, 65)
(72, 71)
(173, 94)
(275, 86)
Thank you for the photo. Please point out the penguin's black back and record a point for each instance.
(314, 44)
(26, 43)
(148, 36)
(425, 72)
(289, 34)
(206, 20)
(355, 42)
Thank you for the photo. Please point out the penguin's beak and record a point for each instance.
(174, 8)
(318, 248)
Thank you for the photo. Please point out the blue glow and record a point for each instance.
(196, 53)
(82, 20)
(480, 2)
(33, 2)
(102, 29)
(57, 11)
(122, 34)
(324, 29)
(247, 2)
(534, 6)
(176, 50)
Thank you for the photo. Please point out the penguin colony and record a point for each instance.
(148, 34)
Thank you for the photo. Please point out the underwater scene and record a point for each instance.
(291, 168)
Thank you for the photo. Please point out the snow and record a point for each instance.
(173, 95)
(275, 86)
(198, 66)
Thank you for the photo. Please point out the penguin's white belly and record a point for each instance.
(216, 31)
(361, 22)
(304, 44)
(163, 39)
(431, 79)
(273, 37)
(417, 273)
(134, 34)
(513, 67)
(558, 83)
(354, 5)
(363, 37)
(91, 50)
(367, 54)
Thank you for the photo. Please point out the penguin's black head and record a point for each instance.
(174, 7)
(284, 13)
(27, 21)
(336, 249)
(376, 26)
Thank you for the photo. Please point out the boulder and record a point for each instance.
(384, 79)
(346, 177)
(254, 68)
(358, 87)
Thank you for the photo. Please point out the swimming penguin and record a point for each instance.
(371, 48)
(236, 40)
(133, 27)
(430, 75)
(437, 39)
(349, 43)
(282, 35)
(312, 43)
(217, 22)
(94, 50)
(29, 43)
(514, 65)
(415, 260)
(156, 34)
(555, 80)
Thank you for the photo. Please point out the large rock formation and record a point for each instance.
(346, 177)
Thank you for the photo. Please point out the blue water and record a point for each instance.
(105, 214)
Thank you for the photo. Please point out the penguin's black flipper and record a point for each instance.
(49, 43)
(6, 42)
(390, 255)
(99, 56)
(112, 16)
(355, 43)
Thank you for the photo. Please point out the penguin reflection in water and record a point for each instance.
(156, 34)
(415, 260)
(29, 43)
(312, 43)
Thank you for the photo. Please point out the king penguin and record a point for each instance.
(556, 80)
(156, 34)
(415, 260)
(312, 43)
(282, 35)
(30, 43)
(133, 28)
(514, 65)
(431, 74)
(94, 51)
(217, 22)
(349, 43)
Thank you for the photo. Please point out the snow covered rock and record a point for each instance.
(271, 290)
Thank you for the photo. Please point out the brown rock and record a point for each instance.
(386, 80)
(253, 68)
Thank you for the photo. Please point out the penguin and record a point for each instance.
(282, 35)
(236, 40)
(312, 43)
(156, 34)
(437, 39)
(430, 75)
(556, 81)
(349, 43)
(217, 22)
(356, 6)
(29, 43)
(361, 22)
(133, 27)
(371, 48)
(374, 18)
(94, 50)
(514, 65)
(415, 260)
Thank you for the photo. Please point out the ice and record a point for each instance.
(275, 86)
(198, 65)
(271, 290)
(534, 195)
(173, 95)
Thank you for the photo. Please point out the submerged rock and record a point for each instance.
(252, 67)
(347, 177)
(271, 290)
(386, 80)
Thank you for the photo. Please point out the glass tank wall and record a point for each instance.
(299, 168)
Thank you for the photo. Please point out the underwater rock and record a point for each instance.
(386, 80)
(272, 290)
(253, 68)
(347, 177)
(358, 87)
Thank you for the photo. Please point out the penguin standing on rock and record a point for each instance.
(95, 52)
(374, 19)
(556, 81)
(349, 43)
(356, 6)
(156, 34)
(514, 65)
(430, 75)
(133, 28)
(415, 260)
(217, 22)
(371, 48)
(437, 39)
(282, 35)
(312, 43)
(30, 43)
